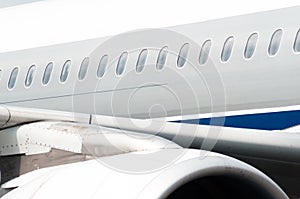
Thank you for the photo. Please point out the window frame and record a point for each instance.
(296, 40)
(50, 75)
(141, 61)
(64, 68)
(16, 68)
(247, 45)
(207, 41)
(83, 69)
(226, 46)
(271, 41)
(122, 62)
(102, 62)
(30, 72)
(162, 55)
(183, 55)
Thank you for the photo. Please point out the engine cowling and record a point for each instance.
(166, 173)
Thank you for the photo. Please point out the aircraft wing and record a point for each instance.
(89, 154)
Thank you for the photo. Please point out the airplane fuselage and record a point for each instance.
(252, 63)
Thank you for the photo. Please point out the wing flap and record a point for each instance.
(41, 137)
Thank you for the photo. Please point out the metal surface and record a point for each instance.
(10, 116)
(274, 145)
(246, 142)
(41, 137)
(262, 82)
(94, 179)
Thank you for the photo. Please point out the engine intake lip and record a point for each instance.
(213, 166)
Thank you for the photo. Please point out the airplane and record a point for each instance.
(207, 110)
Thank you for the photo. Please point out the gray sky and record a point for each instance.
(8, 3)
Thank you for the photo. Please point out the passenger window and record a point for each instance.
(183, 53)
(204, 52)
(65, 71)
(297, 42)
(83, 68)
(275, 42)
(141, 61)
(162, 57)
(250, 46)
(30, 76)
(227, 49)
(47, 73)
(102, 66)
(121, 63)
(13, 78)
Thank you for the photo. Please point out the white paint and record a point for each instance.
(92, 179)
(232, 113)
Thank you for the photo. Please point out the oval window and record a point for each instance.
(121, 63)
(250, 46)
(47, 73)
(183, 53)
(83, 68)
(30, 76)
(13, 78)
(141, 61)
(162, 58)
(275, 42)
(102, 66)
(65, 71)
(297, 42)
(227, 49)
(204, 52)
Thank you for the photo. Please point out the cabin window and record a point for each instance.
(121, 63)
(275, 42)
(47, 73)
(227, 49)
(250, 46)
(204, 52)
(65, 71)
(83, 68)
(102, 66)
(297, 42)
(13, 78)
(183, 53)
(140, 64)
(162, 57)
(30, 76)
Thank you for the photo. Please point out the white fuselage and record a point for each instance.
(239, 83)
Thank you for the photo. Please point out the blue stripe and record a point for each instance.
(265, 121)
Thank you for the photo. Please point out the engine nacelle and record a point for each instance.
(166, 173)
